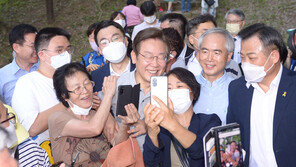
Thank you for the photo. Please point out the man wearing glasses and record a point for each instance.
(110, 37)
(150, 52)
(21, 40)
(34, 98)
(19, 144)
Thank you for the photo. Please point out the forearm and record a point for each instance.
(184, 136)
(41, 122)
(122, 134)
(101, 116)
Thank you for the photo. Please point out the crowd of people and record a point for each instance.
(54, 112)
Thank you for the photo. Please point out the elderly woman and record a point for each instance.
(75, 133)
(175, 133)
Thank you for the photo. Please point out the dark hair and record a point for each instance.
(46, 34)
(131, 2)
(195, 22)
(176, 21)
(270, 38)
(188, 78)
(148, 8)
(59, 80)
(18, 33)
(91, 28)
(105, 24)
(148, 33)
(174, 40)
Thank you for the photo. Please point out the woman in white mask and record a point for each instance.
(76, 133)
(175, 133)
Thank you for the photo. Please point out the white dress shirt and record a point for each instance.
(127, 69)
(261, 128)
(237, 49)
(193, 65)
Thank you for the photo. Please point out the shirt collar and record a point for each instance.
(205, 82)
(15, 68)
(182, 54)
(115, 73)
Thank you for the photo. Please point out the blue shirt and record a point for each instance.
(93, 58)
(213, 99)
(9, 74)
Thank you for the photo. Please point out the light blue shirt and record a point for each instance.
(9, 74)
(213, 99)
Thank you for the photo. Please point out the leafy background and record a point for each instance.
(76, 15)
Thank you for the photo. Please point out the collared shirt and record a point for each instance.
(129, 79)
(127, 69)
(261, 130)
(193, 65)
(180, 62)
(9, 74)
(143, 26)
(237, 49)
(213, 98)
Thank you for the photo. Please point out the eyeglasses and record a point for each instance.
(150, 58)
(59, 51)
(80, 89)
(114, 38)
(10, 118)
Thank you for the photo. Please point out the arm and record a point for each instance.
(95, 125)
(41, 122)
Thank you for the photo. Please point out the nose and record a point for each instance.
(210, 56)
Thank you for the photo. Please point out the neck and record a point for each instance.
(120, 67)
(185, 118)
(212, 78)
(265, 83)
(46, 70)
(152, 22)
(22, 64)
(144, 84)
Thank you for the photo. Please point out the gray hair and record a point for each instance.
(237, 12)
(229, 45)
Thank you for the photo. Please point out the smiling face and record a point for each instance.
(213, 56)
(79, 80)
(26, 51)
(146, 69)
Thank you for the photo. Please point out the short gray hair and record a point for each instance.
(237, 12)
(229, 45)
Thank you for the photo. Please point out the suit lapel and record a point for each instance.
(282, 99)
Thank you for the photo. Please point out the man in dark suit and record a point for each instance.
(112, 42)
(262, 101)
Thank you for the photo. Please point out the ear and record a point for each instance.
(275, 56)
(191, 40)
(243, 24)
(126, 41)
(134, 57)
(16, 47)
(229, 56)
(41, 55)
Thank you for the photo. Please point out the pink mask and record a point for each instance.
(94, 46)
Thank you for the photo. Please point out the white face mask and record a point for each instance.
(233, 28)
(115, 52)
(60, 60)
(150, 19)
(254, 73)
(181, 100)
(78, 110)
(12, 135)
(121, 22)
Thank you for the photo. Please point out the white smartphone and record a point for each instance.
(159, 88)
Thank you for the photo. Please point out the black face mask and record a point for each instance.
(292, 42)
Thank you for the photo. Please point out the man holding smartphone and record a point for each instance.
(150, 51)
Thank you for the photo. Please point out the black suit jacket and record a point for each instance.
(284, 123)
(99, 74)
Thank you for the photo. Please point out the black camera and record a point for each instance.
(292, 42)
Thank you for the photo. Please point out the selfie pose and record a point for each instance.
(174, 132)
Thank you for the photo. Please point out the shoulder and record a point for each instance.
(28, 79)
(6, 68)
(125, 78)
(234, 84)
